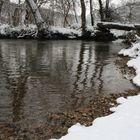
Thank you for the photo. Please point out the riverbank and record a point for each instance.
(30, 32)
(58, 33)
(122, 124)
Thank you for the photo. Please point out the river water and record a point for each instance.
(41, 77)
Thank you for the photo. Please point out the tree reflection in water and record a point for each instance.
(39, 77)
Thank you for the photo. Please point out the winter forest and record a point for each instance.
(69, 70)
(80, 15)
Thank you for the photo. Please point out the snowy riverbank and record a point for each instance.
(134, 54)
(124, 123)
(73, 32)
(30, 32)
(121, 125)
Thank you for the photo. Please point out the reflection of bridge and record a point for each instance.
(118, 26)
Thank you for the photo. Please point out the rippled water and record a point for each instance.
(37, 77)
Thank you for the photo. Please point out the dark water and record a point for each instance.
(38, 77)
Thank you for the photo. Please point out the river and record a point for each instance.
(42, 77)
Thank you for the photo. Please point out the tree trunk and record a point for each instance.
(83, 17)
(40, 22)
(107, 10)
(91, 13)
(74, 9)
(101, 10)
(118, 26)
(1, 4)
(16, 17)
(19, 2)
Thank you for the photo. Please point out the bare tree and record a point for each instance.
(17, 13)
(91, 12)
(74, 9)
(40, 22)
(101, 10)
(107, 10)
(42, 2)
(64, 7)
(83, 16)
(130, 5)
(1, 4)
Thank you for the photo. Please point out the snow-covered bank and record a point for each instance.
(7, 31)
(30, 31)
(65, 33)
(119, 33)
(134, 54)
(124, 124)
(72, 32)
(55, 32)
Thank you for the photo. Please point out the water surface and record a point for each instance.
(41, 77)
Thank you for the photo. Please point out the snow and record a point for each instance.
(71, 32)
(118, 33)
(4, 29)
(120, 24)
(8, 30)
(121, 125)
(135, 63)
(124, 123)
(134, 54)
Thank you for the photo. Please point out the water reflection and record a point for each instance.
(38, 77)
(101, 53)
